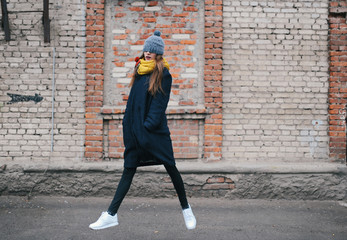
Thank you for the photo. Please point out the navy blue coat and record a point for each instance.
(146, 135)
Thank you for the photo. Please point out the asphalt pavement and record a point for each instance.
(45, 217)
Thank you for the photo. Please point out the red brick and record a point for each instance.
(150, 20)
(190, 9)
(94, 149)
(94, 71)
(152, 3)
(136, 9)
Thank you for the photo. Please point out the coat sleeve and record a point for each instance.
(159, 103)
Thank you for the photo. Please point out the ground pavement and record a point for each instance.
(141, 218)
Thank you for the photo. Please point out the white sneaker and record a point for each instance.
(189, 218)
(105, 221)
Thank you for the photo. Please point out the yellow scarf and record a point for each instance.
(148, 66)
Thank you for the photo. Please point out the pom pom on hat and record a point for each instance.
(157, 33)
(154, 44)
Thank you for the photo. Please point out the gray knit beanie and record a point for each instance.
(154, 44)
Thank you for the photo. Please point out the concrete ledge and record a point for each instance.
(190, 167)
(294, 181)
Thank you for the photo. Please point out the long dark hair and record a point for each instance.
(156, 76)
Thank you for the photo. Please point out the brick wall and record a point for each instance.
(275, 80)
(213, 79)
(338, 79)
(129, 23)
(94, 79)
(26, 69)
(194, 54)
(256, 73)
(185, 135)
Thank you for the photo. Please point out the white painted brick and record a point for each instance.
(274, 70)
(120, 70)
(123, 80)
(129, 64)
(180, 36)
(191, 70)
(189, 75)
(118, 31)
(153, 9)
(270, 69)
(118, 42)
(136, 47)
(173, 3)
(138, 4)
(119, 74)
(31, 63)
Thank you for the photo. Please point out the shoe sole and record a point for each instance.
(103, 227)
(191, 227)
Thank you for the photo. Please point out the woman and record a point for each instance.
(146, 135)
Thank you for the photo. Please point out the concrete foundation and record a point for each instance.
(237, 181)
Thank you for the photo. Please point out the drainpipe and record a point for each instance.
(53, 99)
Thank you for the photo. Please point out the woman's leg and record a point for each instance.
(178, 184)
(177, 181)
(122, 190)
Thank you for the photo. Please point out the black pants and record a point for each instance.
(127, 177)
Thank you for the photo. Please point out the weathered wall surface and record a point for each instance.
(127, 25)
(249, 184)
(275, 77)
(115, 33)
(254, 84)
(276, 80)
(26, 69)
(338, 79)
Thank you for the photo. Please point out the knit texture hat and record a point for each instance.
(154, 44)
